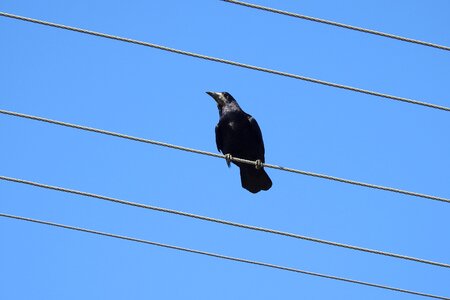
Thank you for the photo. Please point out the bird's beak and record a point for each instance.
(215, 96)
(212, 94)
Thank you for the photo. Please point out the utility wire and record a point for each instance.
(225, 61)
(224, 222)
(291, 14)
(236, 159)
(242, 260)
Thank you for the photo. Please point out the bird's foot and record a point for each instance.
(228, 158)
(258, 164)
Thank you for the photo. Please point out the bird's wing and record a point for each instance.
(218, 138)
(259, 139)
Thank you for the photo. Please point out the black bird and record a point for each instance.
(238, 135)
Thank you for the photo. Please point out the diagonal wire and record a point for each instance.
(224, 222)
(143, 140)
(370, 31)
(242, 260)
(225, 61)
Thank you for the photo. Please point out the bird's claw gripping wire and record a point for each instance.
(228, 158)
(258, 164)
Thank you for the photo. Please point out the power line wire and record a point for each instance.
(225, 61)
(242, 260)
(370, 31)
(224, 222)
(143, 140)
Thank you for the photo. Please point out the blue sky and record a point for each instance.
(157, 95)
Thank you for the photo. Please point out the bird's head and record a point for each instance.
(225, 102)
(222, 98)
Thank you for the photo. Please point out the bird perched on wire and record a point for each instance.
(238, 135)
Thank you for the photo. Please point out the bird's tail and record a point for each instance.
(254, 180)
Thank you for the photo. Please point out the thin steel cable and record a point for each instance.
(225, 61)
(142, 140)
(242, 260)
(370, 31)
(224, 222)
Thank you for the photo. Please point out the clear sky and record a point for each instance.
(158, 95)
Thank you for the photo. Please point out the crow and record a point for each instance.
(238, 135)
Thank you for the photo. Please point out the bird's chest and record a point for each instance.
(238, 128)
(236, 136)
(235, 126)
